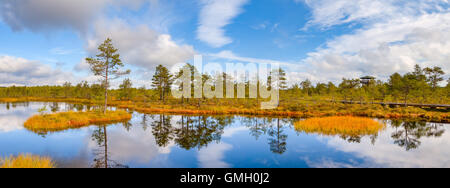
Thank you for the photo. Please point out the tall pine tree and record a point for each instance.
(162, 81)
(107, 64)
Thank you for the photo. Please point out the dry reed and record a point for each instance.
(71, 120)
(27, 161)
(339, 125)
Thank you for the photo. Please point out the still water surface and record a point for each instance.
(224, 141)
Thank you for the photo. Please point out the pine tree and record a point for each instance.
(422, 88)
(348, 87)
(306, 86)
(107, 64)
(67, 86)
(162, 81)
(404, 85)
(126, 89)
(434, 76)
(281, 84)
(178, 79)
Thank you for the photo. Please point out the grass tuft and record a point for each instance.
(343, 126)
(71, 120)
(27, 161)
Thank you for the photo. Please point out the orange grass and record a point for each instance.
(311, 110)
(70, 120)
(12, 100)
(430, 116)
(340, 125)
(27, 161)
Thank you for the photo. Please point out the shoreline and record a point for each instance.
(369, 110)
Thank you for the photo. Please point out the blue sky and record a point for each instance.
(45, 41)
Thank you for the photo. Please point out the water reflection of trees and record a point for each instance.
(407, 134)
(144, 122)
(256, 126)
(54, 107)
(102, 157)
(9, 105)
(190, 132)
(277, 137)
(274, 128)
(199, 131)
(78, 107)
(357, 138)
(162, 130)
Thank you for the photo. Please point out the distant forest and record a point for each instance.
(422, 85)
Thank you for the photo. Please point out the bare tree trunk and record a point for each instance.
(106, 88)
(106, 100)
(164, 95)
(106, 147)
(406, 100)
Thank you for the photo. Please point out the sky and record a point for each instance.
(45, 42)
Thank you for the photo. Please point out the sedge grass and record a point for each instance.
(339, 125)
(295, 109)
(27, 161)
(72, 120)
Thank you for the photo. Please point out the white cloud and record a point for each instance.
(20, 71)
(385, 48)
(327, 13)
(13, 119)
(432, 153)
(212, 156)
(134, 145)
(82, 66)
(329, 163)
(139, 45)
(38, 15)
(214, 16)
(9, 123)
(230, 131)
(45, 15)
(391, 40)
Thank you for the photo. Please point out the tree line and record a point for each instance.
(422, 85)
